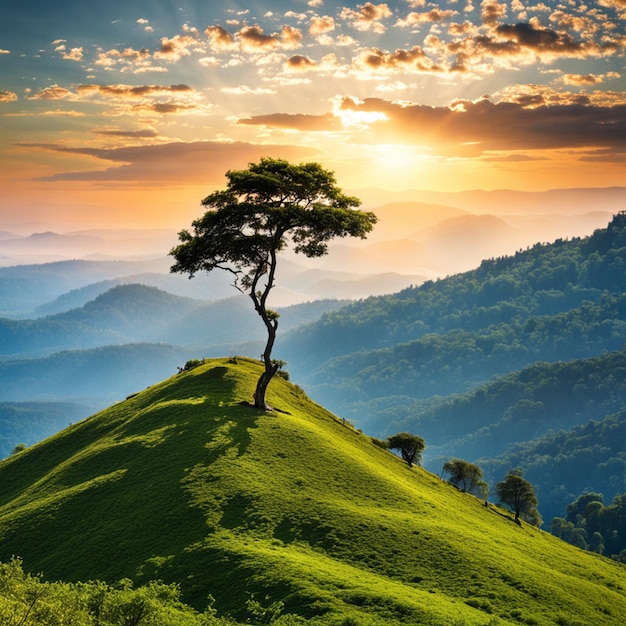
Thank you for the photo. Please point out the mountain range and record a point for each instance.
(456, 360)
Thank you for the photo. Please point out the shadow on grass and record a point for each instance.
(111, 498)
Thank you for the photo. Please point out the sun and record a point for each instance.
(397, 156)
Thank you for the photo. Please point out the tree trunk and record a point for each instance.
(262, 384)
(270, 319)
(270, 368)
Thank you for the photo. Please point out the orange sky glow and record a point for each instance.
(127, 114)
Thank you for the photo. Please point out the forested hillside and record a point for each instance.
(551, 302)
(565, 463)
(477, 362)
(26, 423)
(544, 280)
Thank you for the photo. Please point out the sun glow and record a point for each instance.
(351, 119)
(398, 156)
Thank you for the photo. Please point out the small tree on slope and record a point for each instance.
(519, 495)
(254, 218)
(466, 476)
(410, 447)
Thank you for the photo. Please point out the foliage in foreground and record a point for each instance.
(26, 600)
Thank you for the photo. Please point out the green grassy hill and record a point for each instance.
(184, 483)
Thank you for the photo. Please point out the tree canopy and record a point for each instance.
(519, 495)
(466, 476)
(591, 525)
(263, 209)
(410, 447)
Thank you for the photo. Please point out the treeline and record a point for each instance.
(564, 464)
(518, 407)
(441, 364)
(591, 525)
(527, 404)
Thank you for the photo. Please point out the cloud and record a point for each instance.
(512, 158)
(608, 155)
(321, 25)
(219, 38)
(253, 39)
(368, 17)
(127, 60)
(132, 91)
(414, 60)
(128, 99)
(542, 95)
(300, 63)
(300, 17)
(582, 79)
(175, 48)
(464, 28)
(245, 89)
(146, 25)
(484, 126)
(298, 121)
(74, 54)
(209, 61)
(172, 164)
(619, 5)
(434, 15)
(7, 96)
(578, 23)
(491, 11)
(541, 39)
(511, 45)
(291, 38)
(54, 92)
(145, 133)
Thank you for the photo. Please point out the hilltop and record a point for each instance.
(185, 483)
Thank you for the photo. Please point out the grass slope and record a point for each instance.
(182, 482)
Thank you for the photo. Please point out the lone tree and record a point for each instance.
(410, 447)
(264, 208)
(466, 476)
(519, 495)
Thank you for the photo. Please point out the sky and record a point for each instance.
(128, 113)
